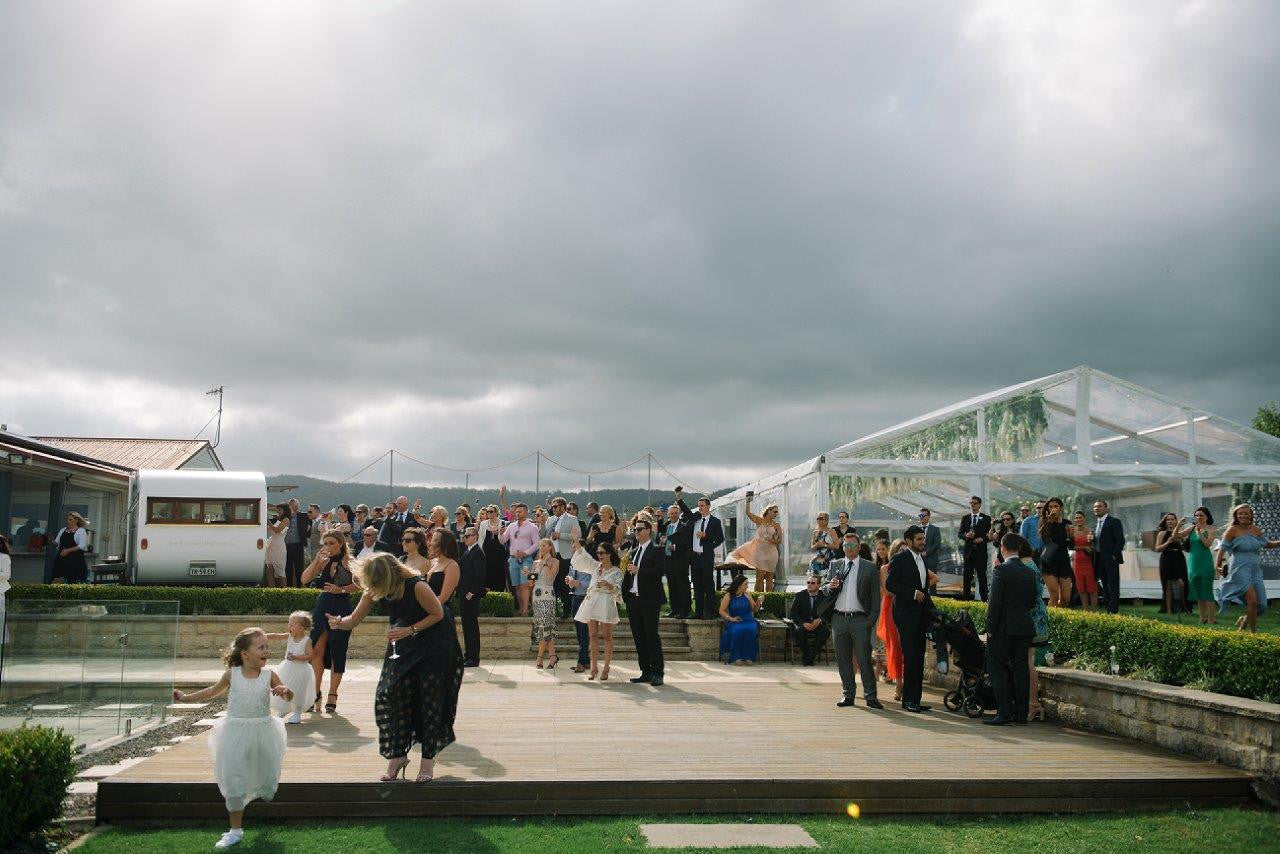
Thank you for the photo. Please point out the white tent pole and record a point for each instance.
(1084, 442)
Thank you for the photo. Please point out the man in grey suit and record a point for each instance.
(853, 588)
(932, 543)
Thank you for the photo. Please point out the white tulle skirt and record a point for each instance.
(301, 679)
(247, 756)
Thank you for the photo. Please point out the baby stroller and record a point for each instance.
(960, 636)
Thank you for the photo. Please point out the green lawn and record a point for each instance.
(1210, 830)
(1268, 623)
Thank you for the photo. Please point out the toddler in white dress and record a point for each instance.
(295, 671)
(248, 744)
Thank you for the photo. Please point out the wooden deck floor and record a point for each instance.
(714, 737)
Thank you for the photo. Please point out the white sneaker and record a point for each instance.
(231, 837)
(295, 718)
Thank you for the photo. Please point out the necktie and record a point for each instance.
(702, 526)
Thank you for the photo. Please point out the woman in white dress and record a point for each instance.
(276, 552)
(599, 608)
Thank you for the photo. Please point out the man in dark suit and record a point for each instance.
(470, 592)
(1010, 630)
(708, 535)
(642, 593)
(1108, 554)
(810, 630)
(393, 525)
(932, 543)
(975, 527)
(908, 580)
(853, 584)
(676, 541)
(295, 544)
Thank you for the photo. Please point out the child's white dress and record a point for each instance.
(296, 675)
(248, 744)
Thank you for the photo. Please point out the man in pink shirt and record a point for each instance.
(521, 539)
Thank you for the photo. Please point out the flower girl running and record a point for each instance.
(295, 671)
(248, 744)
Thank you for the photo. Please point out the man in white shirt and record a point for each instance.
(908, 581)
(368, 543)
(855, 585)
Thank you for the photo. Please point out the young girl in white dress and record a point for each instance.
(295, 671)
(599, 608)
(248, 744)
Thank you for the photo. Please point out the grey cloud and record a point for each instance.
(779, 229)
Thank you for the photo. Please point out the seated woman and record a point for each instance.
(740, 641)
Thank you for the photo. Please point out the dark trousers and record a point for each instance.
(975, 563)
(1108, 582)
(677, 574)
(643, 616)
(562, 591)
(810, 643)
(583, 633)
(294, 563)
(913, 639)
(469, 612)
(1010, 674)
(703, 567)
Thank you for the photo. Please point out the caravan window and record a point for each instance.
(202, 511)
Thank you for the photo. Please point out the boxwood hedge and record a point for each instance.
(35, 770)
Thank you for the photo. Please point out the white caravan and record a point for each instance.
(197, 527)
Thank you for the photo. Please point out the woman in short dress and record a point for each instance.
(761, 552)
(740, 640)
(1082, 565)
(1171, 539)
(276, 552)
(1055, 558)
(1242, 543)
(1200, 565)
(330, 572)
(599, 608)
(543, 632)
(417, 695)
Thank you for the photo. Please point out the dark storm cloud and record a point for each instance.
(736, 234)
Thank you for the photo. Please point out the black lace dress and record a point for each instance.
(417, 696)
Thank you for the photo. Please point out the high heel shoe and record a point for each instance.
(1035, 713)
(332, 705)
(594, 673)
(395, 769)
(539, 664)
(551, 665)
(426, 776)
(604, 674)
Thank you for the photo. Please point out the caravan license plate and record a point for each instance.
(201, 570)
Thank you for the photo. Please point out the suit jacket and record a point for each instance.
(982, 529)
(1110, 544)
(801, 612)
(715, 531)
(932, 547)
(649, 571)
(391, 530)
(1012, 600)
(867, 579)
(682, 538)
(304, 527)
(471, 573)
(903, 582)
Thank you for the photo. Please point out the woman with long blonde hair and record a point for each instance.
(417, 695)
(761, 552)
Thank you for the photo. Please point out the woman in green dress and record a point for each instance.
(1200, 566)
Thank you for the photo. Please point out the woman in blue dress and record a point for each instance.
(740, 642)
(330, 572)
(1242, 543)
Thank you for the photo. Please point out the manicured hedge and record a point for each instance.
(1243, 665)
(35, 771)
(273, 601)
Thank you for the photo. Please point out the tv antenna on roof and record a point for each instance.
(217, 432)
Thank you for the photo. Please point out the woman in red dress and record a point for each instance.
(885, 629)
(1082, 566)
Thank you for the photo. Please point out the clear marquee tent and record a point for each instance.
(1080, 435)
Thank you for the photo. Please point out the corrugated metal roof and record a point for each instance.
(131, 453)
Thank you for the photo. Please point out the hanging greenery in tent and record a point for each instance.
(1015, 428)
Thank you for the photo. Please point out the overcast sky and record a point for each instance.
(734, 234)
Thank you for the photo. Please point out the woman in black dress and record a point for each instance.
(73, 541)
(606, 530)
(1055, 557)
(488, 529)
(417, 694)
(1171, 543)
(330, 572)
